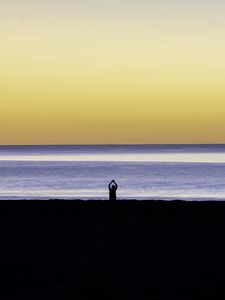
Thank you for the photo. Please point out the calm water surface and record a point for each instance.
(188, 172)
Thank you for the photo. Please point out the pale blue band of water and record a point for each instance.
(186, 172)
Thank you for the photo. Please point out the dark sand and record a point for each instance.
(122, 250)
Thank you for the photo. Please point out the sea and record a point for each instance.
(155, 172)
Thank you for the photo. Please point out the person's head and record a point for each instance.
(113, 187)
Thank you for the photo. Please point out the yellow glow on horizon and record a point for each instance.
(117, 80)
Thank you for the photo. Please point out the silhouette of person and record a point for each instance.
(112, 190)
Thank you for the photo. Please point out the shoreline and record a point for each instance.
(118, 200)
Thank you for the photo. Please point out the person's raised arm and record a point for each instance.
(110, 184)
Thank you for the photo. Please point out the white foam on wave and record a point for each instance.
(124, 157)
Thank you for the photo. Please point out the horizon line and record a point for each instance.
(114, 144)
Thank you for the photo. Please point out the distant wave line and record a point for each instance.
(164, 158)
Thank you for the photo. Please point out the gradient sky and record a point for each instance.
(116, 71)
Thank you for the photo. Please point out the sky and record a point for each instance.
(112, 71)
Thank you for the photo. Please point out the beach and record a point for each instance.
(113, 250)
